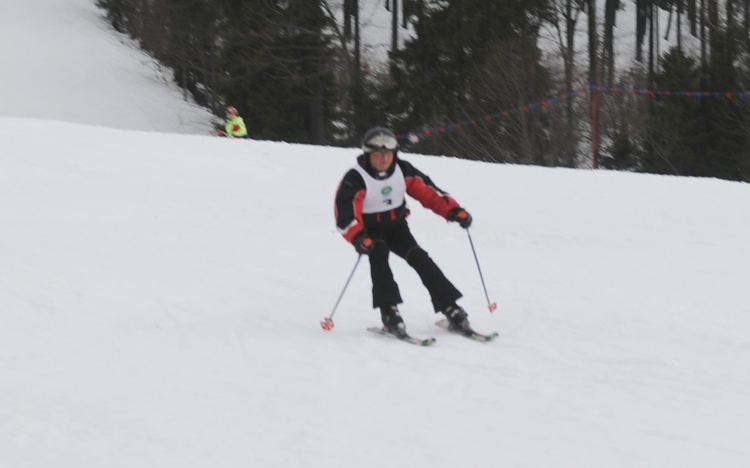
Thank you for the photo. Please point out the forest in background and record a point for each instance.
(472, 80)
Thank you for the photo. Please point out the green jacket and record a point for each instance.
(235, 128)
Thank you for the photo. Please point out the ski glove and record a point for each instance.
(363, 244)
(461, 216)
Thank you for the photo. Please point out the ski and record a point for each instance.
(407, 338)
(472, 335)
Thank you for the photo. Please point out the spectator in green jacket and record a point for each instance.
(235, 126)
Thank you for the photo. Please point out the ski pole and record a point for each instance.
(491, 305)
(327, 323)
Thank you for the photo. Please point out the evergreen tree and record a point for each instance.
(702, 136)
(191, 49)
(469, 58)
(272, 59)
(276, 59)
(675, 137)
(726, 119)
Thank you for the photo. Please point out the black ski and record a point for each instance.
(407, 338)
(471, 334)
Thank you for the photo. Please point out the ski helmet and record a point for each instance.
(379, 138)
(232, 111)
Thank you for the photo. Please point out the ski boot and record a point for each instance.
(392, 321)
(458, 320)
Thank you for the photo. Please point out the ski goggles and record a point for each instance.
(379, 142)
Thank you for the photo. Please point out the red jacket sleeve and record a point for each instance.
(348, 206)
(420, 187)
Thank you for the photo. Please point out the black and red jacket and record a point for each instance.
(350, 196)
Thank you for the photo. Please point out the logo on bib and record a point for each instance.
(386, 190)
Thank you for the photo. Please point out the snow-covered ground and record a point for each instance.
(62, 61)
(161, 293)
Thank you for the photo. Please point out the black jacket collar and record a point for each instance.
(364, 161)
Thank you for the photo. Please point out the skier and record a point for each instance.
(235, 125)
(371, 213)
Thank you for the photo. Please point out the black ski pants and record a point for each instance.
(397, 238)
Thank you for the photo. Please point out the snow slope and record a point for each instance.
(62, 61)
(161, 292)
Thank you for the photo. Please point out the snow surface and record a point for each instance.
(62, 61)
(161, 293)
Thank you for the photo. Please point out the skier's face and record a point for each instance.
(381, 159)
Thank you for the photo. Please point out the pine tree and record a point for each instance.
(277, 63)
(675, 138)
(468, 58)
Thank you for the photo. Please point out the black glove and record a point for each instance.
(363, 244)
(461, 216)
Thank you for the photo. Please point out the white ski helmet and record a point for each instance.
(379, 138)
